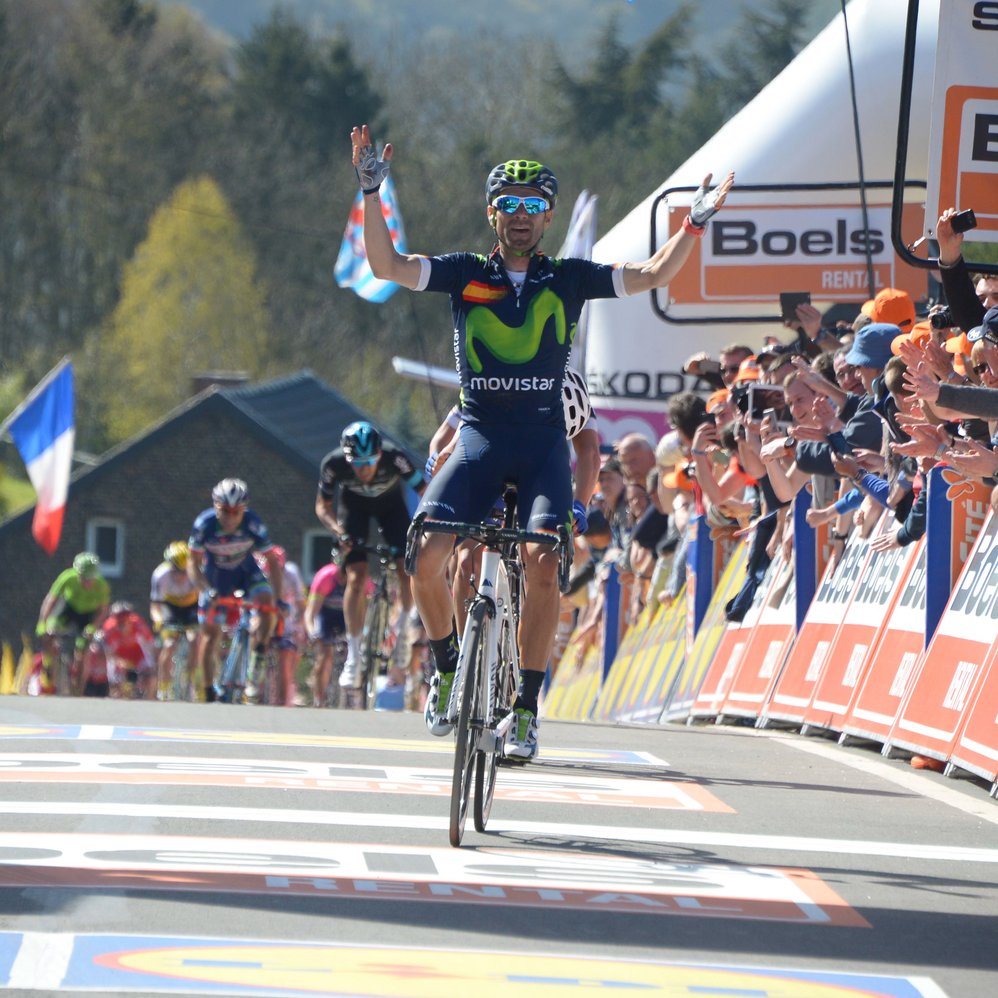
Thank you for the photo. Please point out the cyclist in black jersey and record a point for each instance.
(362, 481)
(514, 316)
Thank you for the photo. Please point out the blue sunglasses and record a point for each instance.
(508, 203)
(363, 462)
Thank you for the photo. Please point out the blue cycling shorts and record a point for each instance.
(534, 458)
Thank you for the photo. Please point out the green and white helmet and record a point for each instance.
(521, 173)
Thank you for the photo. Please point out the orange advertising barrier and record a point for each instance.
(895, 656)
(730, 650)
(698, 656)
(660, 673)
(953, 667)
(798, 680)
(766, 649)
(975, 747)
(877, 591)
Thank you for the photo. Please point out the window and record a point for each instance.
(316, 550)
(106, 538)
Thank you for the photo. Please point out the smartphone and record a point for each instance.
(781, 424)
(963, 221)
(789, 300)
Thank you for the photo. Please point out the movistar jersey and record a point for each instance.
(511, 346)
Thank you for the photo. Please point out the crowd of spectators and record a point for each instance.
(857, 412)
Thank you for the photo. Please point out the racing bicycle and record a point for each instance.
(237, 684)
(488, 667)
(378, 642)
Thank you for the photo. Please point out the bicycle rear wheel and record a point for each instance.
(469, 718)
(373, 648)
(182, 686)
(503, 691)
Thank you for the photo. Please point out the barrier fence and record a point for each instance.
(896, 647)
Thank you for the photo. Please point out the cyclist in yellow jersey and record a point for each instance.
(173, 606)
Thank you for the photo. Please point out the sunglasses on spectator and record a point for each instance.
(508, 203)
(981, 368)
(732, 368)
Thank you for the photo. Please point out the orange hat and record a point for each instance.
(717, 399)
(892, 305)
(678, 479)
(748, 370)
(920, 334)
(959, 345)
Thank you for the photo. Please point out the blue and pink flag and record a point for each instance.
(352, 269)
(43, 430)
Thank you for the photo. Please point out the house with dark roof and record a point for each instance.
(147, 491)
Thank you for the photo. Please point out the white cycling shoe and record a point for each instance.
(349, 673)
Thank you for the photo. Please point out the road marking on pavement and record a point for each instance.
(435, 746)
(41, 961)
(491, 875)
(185, 965)
(560, 829)
(529, 785)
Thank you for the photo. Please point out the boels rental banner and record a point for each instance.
(953, 665)
(766, 648)
(956, 512)
(963, 132)
(895, 658)
(975, 747)
(698, 658)
(799, 677)
(877, 591)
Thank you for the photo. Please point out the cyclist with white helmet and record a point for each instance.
(360, 481)
(223, 541)
(173, 606)
(514, 317)
(75, 604)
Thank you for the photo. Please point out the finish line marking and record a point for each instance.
(527, 785)
(561, 829)
(508, 877)
(435, 746)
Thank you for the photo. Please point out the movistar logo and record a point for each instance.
(514, 344)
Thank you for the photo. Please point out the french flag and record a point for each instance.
(43, 430)
(352, 269)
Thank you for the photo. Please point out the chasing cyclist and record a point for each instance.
(173, 608)
(74, 606)
(359, 481)
(514, 317)
(223, 540)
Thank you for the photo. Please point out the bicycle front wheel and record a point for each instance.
(503, 691)
(474, 657)
(182, 686)
(373, 648)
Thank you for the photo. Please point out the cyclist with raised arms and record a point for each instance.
(359, 481)
(514, 316)
(220, 563)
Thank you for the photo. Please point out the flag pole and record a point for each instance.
(34, 393)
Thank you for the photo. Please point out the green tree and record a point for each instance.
(190, 302)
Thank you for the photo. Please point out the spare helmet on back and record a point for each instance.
(575, 396)
(521, 173)
(230, 492)
(361, 442)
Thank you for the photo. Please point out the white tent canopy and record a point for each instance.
(798, 129)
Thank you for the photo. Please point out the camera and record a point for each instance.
(943, 319)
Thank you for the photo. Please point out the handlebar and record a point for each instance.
(240, 603)
(378, 550)
(491, 535)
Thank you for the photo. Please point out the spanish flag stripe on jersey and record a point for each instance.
(480, 292)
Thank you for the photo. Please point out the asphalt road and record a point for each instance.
(209, 849)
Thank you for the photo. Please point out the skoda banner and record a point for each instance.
(963, 136)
